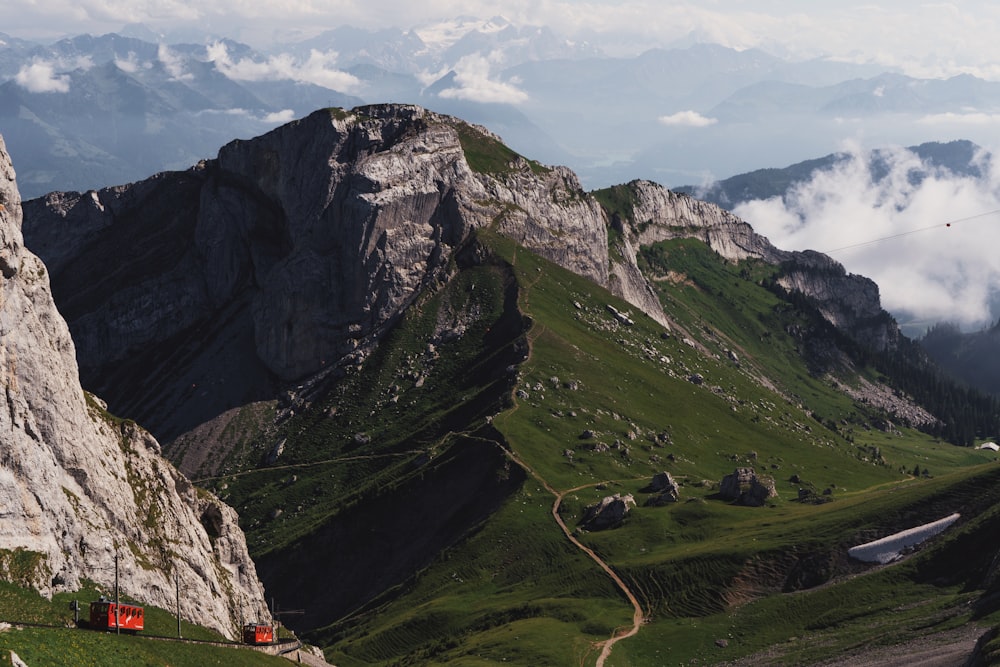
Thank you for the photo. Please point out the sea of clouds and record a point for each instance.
(927, 236)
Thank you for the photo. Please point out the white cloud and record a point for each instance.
(273, 118)
(926, 39)
(473, 83)
(427, 78)
(319, 68)
(173, 63)
(687, 119)
(130, 64)
(40, 77)
(280, 117)
(897, 232)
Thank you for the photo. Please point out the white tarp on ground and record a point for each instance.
(888, 548)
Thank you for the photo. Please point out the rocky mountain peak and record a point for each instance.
(293, 250)
(79, 488)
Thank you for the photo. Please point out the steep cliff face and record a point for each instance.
(77, 486)
(194, 293)
(659, 214)
(849, 302)
(286, 253)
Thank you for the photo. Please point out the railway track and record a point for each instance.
(279, 647)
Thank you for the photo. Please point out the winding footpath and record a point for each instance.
(638, 618)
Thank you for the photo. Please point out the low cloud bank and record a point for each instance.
(474, 83)
(687, 119)
(319, 69)
(46, 76)
(927, 236)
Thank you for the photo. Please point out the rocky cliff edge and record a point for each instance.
(78, 486)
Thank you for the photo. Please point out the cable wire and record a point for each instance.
(912, 231)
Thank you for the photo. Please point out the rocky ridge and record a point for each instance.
(296, 250)
(849, 302)
(78, 487)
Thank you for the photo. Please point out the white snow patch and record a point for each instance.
(888, 548)
(440, 36)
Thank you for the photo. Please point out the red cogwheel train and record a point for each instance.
(258, 633)
(107, 615)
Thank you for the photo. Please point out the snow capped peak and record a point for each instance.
(441, 35)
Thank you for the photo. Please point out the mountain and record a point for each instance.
(971, 357)
(85, 493)
(614, 119)
(960, 158)
(92, 110)
(429, 47)
(419, 365)
(886, 93)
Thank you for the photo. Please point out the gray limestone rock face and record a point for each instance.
(293, 250)
(78, 487)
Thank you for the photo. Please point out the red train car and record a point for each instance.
(106, 615)
(258, 633)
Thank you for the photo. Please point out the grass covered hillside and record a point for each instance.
(412, 512)
(41, 631)
(446, 448)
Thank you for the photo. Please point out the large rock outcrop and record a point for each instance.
(78, 487)
(609, 512)
(286, 253)
(745, 487)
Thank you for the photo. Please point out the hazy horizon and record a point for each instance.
(929, 276)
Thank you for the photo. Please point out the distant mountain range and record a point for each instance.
(91, 110)
(959, 157)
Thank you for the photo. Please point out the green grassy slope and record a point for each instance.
(42, 632)
(597, 408)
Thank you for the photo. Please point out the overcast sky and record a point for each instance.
(925, 39)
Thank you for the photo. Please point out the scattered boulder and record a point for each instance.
(666, 489)
(276, 451)
(744, 487)
(610, 512)
(623, 318)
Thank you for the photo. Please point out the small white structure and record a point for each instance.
(992, 446)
